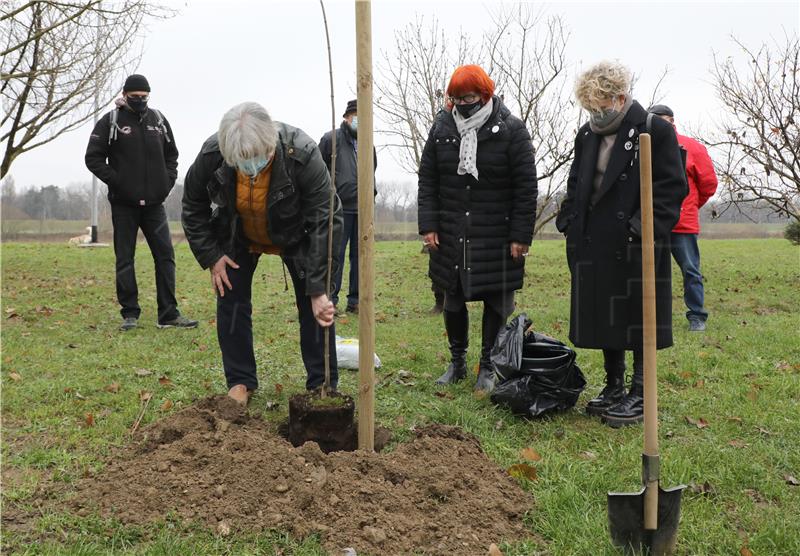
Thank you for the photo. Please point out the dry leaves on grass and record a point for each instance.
(444, 394)
(143, 372)
(736, 443)
(494, 550)
(744, 551)
(89, 419)
(704, 489)
(16, 377)
(113, 387)
(144, 395)
(165, 381)
(700, 423)
(791, 480)
(167, 405)
(523, 471)
(530, 454)
(587, 455)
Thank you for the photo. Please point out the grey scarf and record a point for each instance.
(614, 124)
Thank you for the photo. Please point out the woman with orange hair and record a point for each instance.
(477, 206)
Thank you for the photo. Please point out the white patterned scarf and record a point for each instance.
(468, 130)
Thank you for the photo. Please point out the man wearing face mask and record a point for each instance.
(132, 150)
(261, 187)
(601, 219)
(346, 184)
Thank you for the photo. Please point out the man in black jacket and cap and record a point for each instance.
(346, 183)
(132, 150)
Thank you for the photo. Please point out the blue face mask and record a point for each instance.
(354, 123)
(252, 166)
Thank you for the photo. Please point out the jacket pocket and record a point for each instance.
(286, 223)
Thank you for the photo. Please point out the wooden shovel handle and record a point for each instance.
(649, 324)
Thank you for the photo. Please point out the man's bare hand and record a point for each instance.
(323, 310)
(219, 274)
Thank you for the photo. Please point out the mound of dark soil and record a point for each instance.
(214, 463)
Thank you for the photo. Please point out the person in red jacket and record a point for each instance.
(702, 185)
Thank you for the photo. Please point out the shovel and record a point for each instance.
(646, 522)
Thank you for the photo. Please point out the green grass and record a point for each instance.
(742, 377)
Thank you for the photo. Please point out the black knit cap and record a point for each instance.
(661, 110)
(136, 82)
(351, 107)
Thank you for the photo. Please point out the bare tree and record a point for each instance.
(411, 83)
(757, 146)
(57, 55)
(526, 58)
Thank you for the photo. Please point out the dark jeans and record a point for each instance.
(235, 328)
(687, 255)
(350, 235)
(153, 221)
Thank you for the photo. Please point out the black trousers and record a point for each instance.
(152, 220)
(235, 328)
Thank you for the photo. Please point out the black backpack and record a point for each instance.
(113, 115)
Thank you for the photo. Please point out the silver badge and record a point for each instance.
(630, 133)
(628, 145)
(495, 129)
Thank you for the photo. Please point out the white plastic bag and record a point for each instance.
(347, 353)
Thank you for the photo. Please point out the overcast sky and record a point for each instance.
(215, 54)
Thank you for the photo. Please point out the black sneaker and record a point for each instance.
(178, 322)
(129, 323)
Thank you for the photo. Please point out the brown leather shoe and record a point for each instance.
(240, 393)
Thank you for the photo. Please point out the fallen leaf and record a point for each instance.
(278, 388)
(530, 454)
(80, 396)
(15, 377)
(763, 431)
(402, 373)
(494, 550)
(89, 420)
(700, 423)
(523, 471)
(165, 381)
(68, 390)
(143, 372)
(202, 347)
(400, 420)
(113, 387)
(588, 455)
(736, 443)
(44, 310)
(744, 551)
(790, 480)
(686, 375)
(72, 346)
(700, 383)
(269, 406)
(12, 314)
(443, 394)
(223, 528)
(498, 425)
(144, 395)
(703, 489)
(752, 394)
(167, 405)
(207, 384)
(735, 419)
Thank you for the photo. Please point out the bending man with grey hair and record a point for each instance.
(261, 187)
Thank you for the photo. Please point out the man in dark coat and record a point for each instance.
(260, 187)
(346, 183)
(132, 150)
(601, 219)
(477, 207)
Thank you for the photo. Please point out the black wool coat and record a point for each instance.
(604, 250)
(478, 219)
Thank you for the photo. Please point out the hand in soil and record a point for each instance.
(240, 393)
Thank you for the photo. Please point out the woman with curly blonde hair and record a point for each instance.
(600, 217)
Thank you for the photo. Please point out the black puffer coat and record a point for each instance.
(478, 219)
(604, 249)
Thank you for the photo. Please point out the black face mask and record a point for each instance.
(137, 104)
(467, 110)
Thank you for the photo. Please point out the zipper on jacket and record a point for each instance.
(252, 186)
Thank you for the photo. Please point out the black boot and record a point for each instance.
(630, 410)
(456, 323)
(491, 325)
(614, 391)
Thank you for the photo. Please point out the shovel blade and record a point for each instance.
(626, 522)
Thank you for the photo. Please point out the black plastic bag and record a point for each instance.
(506, 352)
(546, 379)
